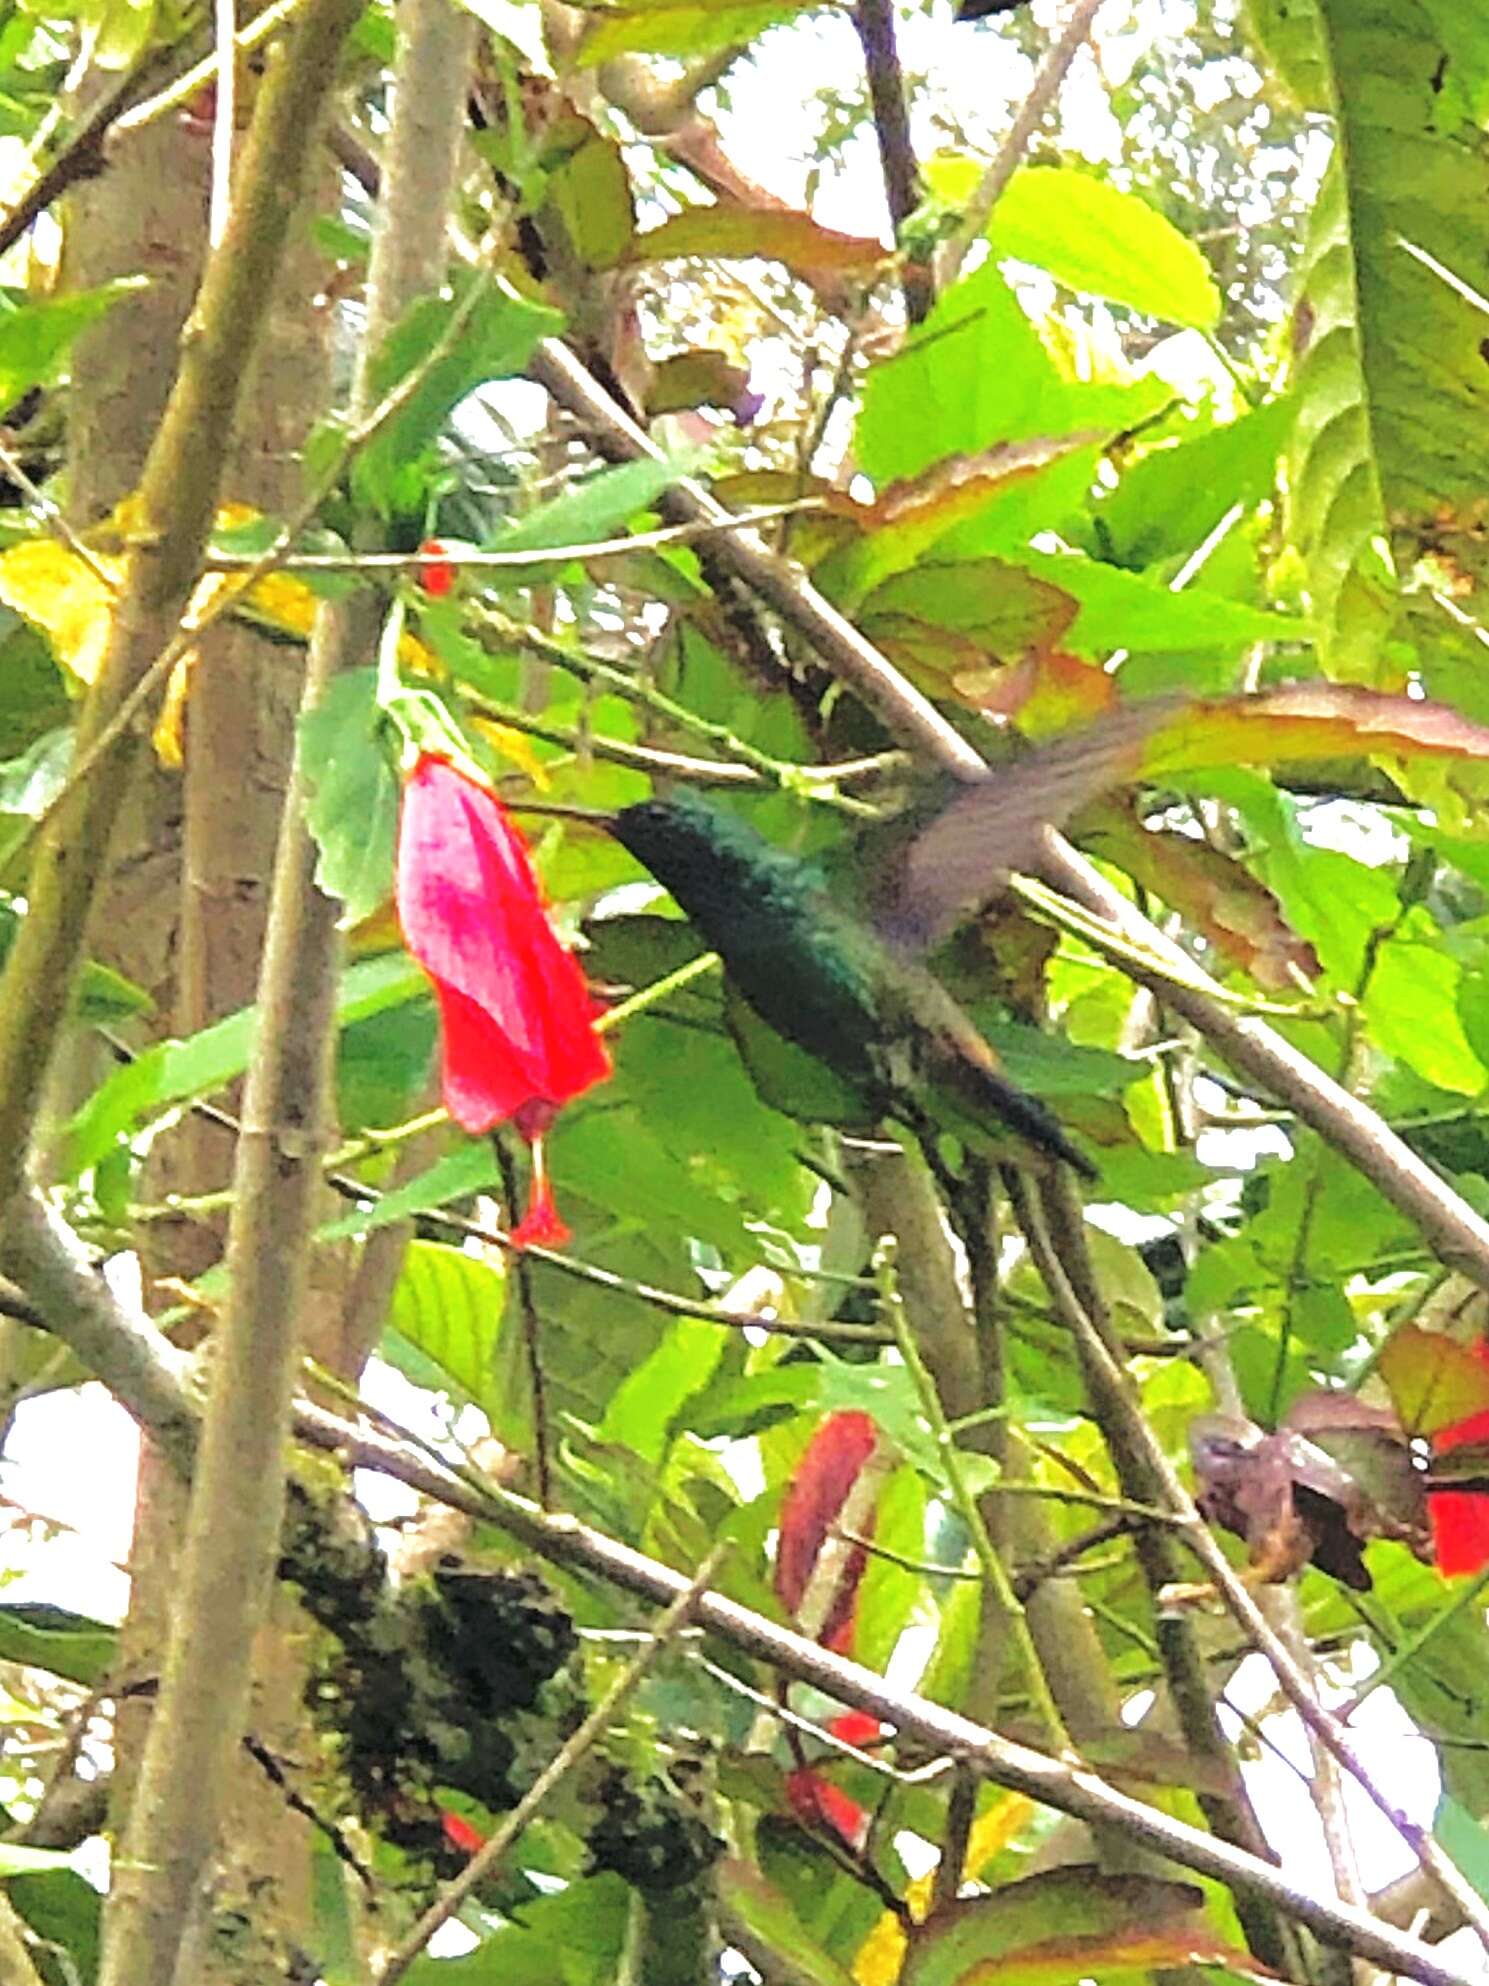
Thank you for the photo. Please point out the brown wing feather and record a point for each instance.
(958, 862)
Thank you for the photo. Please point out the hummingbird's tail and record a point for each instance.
(1032, 1119)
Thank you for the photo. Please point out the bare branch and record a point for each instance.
(1046, 88)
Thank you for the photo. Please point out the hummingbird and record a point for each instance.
(846, 980)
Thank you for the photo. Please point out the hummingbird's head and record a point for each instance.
(706, 857)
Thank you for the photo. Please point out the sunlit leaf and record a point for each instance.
(1433, 1380)
(1095, 237)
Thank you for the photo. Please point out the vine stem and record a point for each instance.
(988, 1555)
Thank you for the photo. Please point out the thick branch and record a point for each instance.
(237, 1502)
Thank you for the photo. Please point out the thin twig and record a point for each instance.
(175, 95)
(1052, 73)
(496, 560)
(874, 20)
(489, 1857)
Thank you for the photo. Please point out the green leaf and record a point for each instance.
(172, 1071)
(683, 27)
(889, 1591)
(590, 190)
(51, 1638)
(977, 374)
(64, 1911)
(573, 1938)
(29, 784)
(777, 234)
(773, 1934)
(35, 336)
(1066, 1924)
(1170, 499)
(496, 341)
(1094, 237)
(1392, 392)
(470, 1168)
(643, 1407)
(596, 509)
(353, 807)
(1465, 1840)
(448, 1305)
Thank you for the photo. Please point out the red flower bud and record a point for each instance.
(459, 1833)
(516, 1019)
(437, 576)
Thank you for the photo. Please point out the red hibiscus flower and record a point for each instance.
(817, 1802)
(516, 1019)
(828, 1468)
(1460, 1518)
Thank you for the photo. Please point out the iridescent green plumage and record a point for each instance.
(814, 969)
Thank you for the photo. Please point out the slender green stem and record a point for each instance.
(986, 1551)
(1407, 1652)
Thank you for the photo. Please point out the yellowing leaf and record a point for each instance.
(882, 1953)
(169, 735)
(62, 595)
(514, 746)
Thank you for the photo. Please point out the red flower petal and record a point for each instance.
(540, 1226)
(825, 1474)
(1460, 1518)
(855, 1727)
(459, 1833)
(518, 1019)
(818, 1803)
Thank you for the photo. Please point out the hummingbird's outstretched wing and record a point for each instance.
(958, 862)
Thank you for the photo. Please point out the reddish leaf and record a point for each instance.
(814, 1798)
(1049, 691)
(1435, 1383)
(816, 1802)
(739, 232)
(1312, 720)
(704, 378)
(1212, 892)
(829, 1466)
(1337, 1473)
(1064, 1925)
